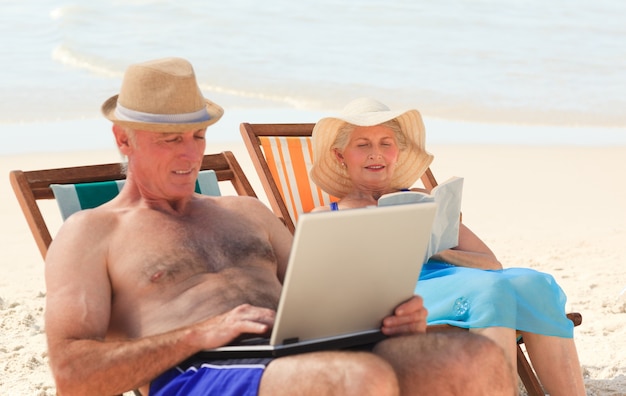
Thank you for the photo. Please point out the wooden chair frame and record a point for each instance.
(251, 134)
(34, 185)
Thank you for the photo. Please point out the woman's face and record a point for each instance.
(370, 157)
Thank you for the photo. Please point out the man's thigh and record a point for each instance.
(329, 372)
(448, 363)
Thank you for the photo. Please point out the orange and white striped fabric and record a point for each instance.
(290, 158)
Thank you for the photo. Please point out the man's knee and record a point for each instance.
(481, 365)
(377, 373)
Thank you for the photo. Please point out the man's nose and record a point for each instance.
(190, 149)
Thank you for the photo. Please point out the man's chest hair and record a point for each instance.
(177, 246)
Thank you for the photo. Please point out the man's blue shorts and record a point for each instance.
(227, 377)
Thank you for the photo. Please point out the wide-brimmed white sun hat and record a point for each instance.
(413, 161)
(161, 95)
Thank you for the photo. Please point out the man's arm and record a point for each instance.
(281, 240)
(77, 318)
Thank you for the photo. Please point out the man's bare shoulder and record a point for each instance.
(236, 198)
(102, 216)
(252, 211)
(87, 226)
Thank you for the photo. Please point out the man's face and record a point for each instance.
(166, 165)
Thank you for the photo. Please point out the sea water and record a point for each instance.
(550, 71)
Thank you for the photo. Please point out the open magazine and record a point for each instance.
(447, 195)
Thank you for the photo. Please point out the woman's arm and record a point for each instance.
(471, 252)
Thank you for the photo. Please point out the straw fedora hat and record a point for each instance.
(413, 161)
(161, 95)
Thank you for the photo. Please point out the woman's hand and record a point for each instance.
(408, 318)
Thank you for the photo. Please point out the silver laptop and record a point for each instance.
(347, 270)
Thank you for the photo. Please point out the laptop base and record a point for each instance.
(350, 341)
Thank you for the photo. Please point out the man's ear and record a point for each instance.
(122, 139)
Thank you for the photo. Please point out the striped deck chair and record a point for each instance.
(289, 159)
(102, 185)
(282, 156)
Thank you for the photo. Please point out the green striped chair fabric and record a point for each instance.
(74, 197)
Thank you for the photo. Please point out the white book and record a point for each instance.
(447, 196)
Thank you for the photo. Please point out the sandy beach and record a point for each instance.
(556, 209)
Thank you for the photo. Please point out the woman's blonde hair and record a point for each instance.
(343, 135)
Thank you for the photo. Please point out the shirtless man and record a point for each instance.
(139, 285)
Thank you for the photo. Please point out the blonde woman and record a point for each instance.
(369, 150)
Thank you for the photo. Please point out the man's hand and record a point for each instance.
(222, 329)
(408, 318)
